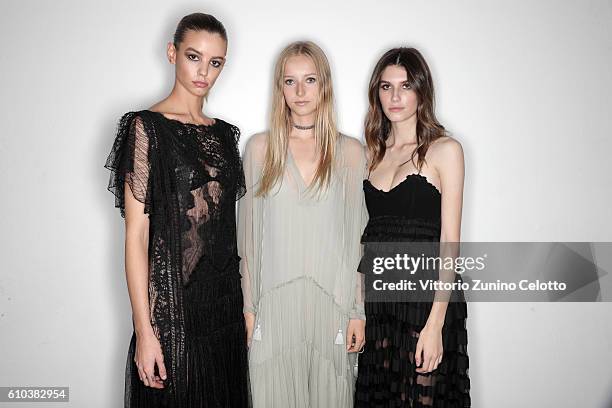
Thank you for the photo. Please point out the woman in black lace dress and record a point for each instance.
(416, 351)
(176, 175)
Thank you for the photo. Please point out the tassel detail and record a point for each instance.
(339, 337)
(257, 333)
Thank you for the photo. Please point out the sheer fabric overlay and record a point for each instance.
(387, 376)
(299, 256)
(188, 177)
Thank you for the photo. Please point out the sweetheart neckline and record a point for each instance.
(419, 176)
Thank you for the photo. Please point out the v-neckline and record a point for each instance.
(296, 171)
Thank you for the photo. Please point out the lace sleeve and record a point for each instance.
(250, 224)
(130, 162)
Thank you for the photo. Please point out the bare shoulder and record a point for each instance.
(160, 107)
(446, 149)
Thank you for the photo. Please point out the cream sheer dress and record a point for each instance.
(299, 257)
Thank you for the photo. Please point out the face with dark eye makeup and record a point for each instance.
(399, 102)
(199, 59)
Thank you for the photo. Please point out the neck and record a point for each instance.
(185, 102)
(301, 134)
(306, 120)
(403, 132)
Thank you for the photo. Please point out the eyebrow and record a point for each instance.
(290, 76)
(199, 53)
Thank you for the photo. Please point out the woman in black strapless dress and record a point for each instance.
(416, 352)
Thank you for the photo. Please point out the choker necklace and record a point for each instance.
(303, 127)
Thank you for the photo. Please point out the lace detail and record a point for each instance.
(130, 161)
(189, 177)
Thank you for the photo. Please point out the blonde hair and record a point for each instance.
(325, 130)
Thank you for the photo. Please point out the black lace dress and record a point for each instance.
(189, 177)
(387, 376)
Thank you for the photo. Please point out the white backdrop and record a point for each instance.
(525, 86)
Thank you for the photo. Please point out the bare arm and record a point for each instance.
(450, 166)
(136, 261)
(136, 189)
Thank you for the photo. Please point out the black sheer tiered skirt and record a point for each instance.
(215, 347)
(387, 374)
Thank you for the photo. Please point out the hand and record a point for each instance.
(429, 349)
(249, 321)
(355, 335)
(149, 353)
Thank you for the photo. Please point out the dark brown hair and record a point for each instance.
(198, 22)
(378, 126)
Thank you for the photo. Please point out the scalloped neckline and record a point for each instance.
(417, 175)
(195, 125)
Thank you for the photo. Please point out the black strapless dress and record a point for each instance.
(387, 377)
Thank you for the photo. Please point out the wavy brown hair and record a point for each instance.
(378, 126)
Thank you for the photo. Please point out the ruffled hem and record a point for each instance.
(300, 358)
(390, 228)
(387, 376)
(131, 159)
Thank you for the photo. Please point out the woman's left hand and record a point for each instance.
(429, 349)
(355, 335)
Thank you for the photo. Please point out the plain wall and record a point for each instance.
(524, 86)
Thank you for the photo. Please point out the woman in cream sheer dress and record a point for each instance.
(299, 239)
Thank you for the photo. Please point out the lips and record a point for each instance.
(300, 103)
(396, 109)
(200, 84)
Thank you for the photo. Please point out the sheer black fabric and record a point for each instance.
(387, 374)
(189, 177)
